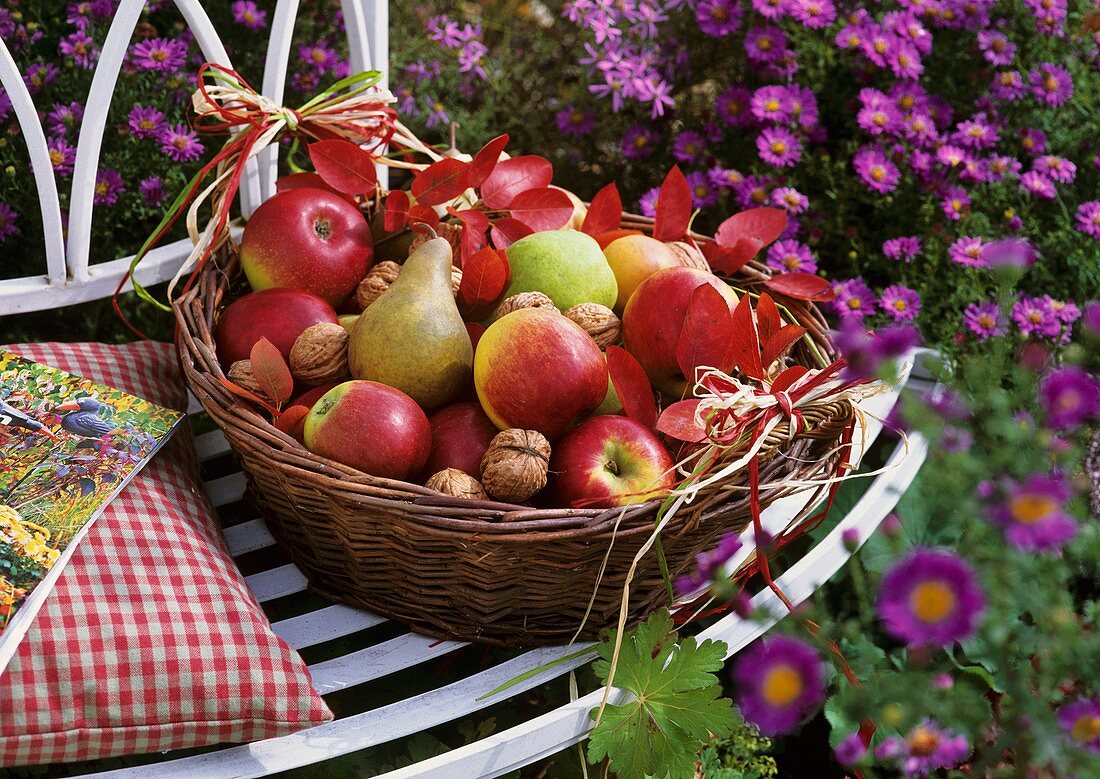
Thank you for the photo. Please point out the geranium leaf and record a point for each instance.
(673, 207)
(441, 182)
(802, 286)
(763, 224)
(678, 421)
(486, 160)
(397, 210)
(506, 231)
(344, 166)
(271, 371)
(541, 209)
(780, 342)
(705, 333)
(631, 384)
(605, 212)
(745, 343)
(484, 277)
(514, 175)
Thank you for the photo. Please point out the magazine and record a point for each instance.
(67, 447)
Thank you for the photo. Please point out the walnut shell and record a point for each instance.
(456, 279)
(320, 353)
(449, 230)
(524, 300)
(240, 373)
(688, 255)
(515, 465)
(376, 282)
(457, 484)
(598, 321)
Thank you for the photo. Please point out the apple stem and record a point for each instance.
(613, 467)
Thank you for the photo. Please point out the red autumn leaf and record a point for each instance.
(292, 421)
(486, 160)
(678, 421)
(605, 212)
(512, 176)
(442, 181)
(762, 224)
(605, 239)
(745, 340)
(344, 166)
(802, 286)
(241, 392)
(475, 225)
(631, 385)
(705, 333)
(484, 277)
(419, 214)
(727, 260)
(673, 207)
(542, 209)
(506, 231)
(768, 320)
(271, 372)
(397, 210)
(785, 380)
(778, 343)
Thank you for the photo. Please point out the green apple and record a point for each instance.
(566, 266)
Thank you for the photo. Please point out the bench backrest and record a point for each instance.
(69, 277)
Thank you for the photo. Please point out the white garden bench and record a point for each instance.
(71, 278)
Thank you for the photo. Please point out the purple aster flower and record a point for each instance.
(179, 143)
(1002, 167)
(955, 203)
(920, 129)
(732, 106)
(902, 248)
(1033, 140)
(779, 147)
(951, 156)
(718, 18)
(850, 751)
(764, 44)
(996, 47)
(1067, 310)
(575, 123)
(246, 13)
(968, 250)
(790, 200)
(1081, 721)
(1088, 218)
(752, 191)
(954, 439)
(791, 256)
(444, 30)
(647, 203)
(865, 352)
(318, 56)
(64, 117)
(689, 146)
(152, 191)
(814, 14)
(904, 60)
(1034, 316)
(875, 170)
(925, 749)
(40, 75)
(853, 299)
(9, 218)
(703, 193)
(161, 55)
(108, 186)
(976, 133)
(707, 564)
(1009, 252)
(1035, 183)
(802, 106)
(81, 48)
(437, 114)
(1008, 85)
(930, 597)
(1055, 168)
(145, 121)
(900, 303)
(770, 104)
(1070, 396)
(638, 142)
(725, 178)
(780, 681)
(62, 155)
(984, 320)
(770, 9)
(1032, 514)
(879, 119)
(1091, 319)
(308, 82)
(850, 36)
(1051, 84)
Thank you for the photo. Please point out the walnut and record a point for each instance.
(240, 373)
(688, 255)
(449, 230)
(377, 281)
(320, 353)
(524, 300)
(456, 279)
(515, 465)
(598, 321)
(457, 484)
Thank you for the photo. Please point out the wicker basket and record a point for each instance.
(478, 570)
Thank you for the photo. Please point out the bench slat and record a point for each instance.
(211, 445)
(247, 537)
(377, 661)
(276, 582)
(226, 489)
(323, 625)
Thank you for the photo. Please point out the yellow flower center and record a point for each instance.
(878, 173)
(1086, 729)
(974, 252)
(758, 196)
(56, 157)
(854, 303)
(101, 188)
(576, 117)
(719, 13)
(146, 124)
(640, 141)
(880, 47)
(159, 55)
(956, 205)
(782, 685)
(1035, 317)
(998, 45)
(853, 40)
(923, 742)
(900, 305)
(700, 191)
(778, 147)
(764, 44)
(932, 601)
(903, 59)
(179, 142)
(975, 132)
(986, 321)
(791, 262)
(880, 119)
(249, 17)
(317, 55)
(1029, 508)
(771, 105)
(1050, 84)
(908, 101)
(1007, 80)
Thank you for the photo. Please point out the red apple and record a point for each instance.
(279, 315)
(311, 395)
(460, 435)
(610, 461)
(366, 425)
(537, 370)
(633, 259)
(307, 239)
(654, 316)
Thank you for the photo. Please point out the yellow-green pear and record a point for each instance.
(412, 337)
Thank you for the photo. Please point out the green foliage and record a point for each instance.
(741, 755)
(675, 703)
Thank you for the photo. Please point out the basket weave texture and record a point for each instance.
(482, 571)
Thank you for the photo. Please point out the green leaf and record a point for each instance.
(675, 706)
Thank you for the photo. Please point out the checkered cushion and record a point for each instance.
(151, 639)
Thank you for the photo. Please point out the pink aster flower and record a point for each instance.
(1055, 168)
(878, 119)
(779, 147)
(875, 170)
(904, 60)
(1081, 721)
(64, 117)
(1032, 514)
(574, 123)
(1034, 316)
(1008, 85)
(853, 299)
(161, 55)
(984, 320)
(976, 133)
(725, 178)
(764, 44)
(1070, 396)
(108, 186)
(718, 18)
(647, 203)
(81, 48)
(900, 303)
(771, 9)
(790, 256)
(246, 13)
(40, 75)
(952, 156)
(770, 104)
(1035, 183)
(790, 200)
(9, 219)
(996, 47)
(62, 155)
(866, 352)
(955, 203)
(968, 250)
(902, 248)
(925, 749)
(318, 56)
(1088, 218)
(1032, 140)
(1051, 84)
(179, 143)
(638, 142)
(920, 129)
(703, 193)
(689, 147)
(814, 14)
(1001, 167)
(152, 191)
(850, 751)
(780, 681)
(732, 106)
(930, 597)
(752, 191)
(145, 121)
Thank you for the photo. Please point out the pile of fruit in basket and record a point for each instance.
(489, 335)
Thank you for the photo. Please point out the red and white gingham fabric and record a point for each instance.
(151, 639)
